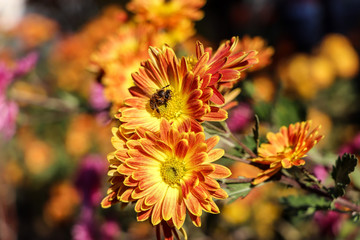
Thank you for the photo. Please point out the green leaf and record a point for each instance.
(237, 190)
(304, 205)
(310, 200)
(355, 217)
(263, 110)
(340, 173)
(286, 111)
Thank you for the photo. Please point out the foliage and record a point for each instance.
(343, 167)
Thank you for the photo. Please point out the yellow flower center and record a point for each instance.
(172, 171)
(166, 9)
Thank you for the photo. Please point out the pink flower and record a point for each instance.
(239, 117)
(356, 141)
(320, 172)
(9, 111)
(328, 222)
(110, 230)
(97, 99)
(89, 178)
(26, 64)
(6, 77)
(351, 147)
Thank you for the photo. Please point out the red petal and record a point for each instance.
(216, 114)
(217, 97)
(211, 142)
(142, 216)
(181, 148)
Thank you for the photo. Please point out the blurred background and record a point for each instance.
(56, 107)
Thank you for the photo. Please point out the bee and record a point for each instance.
(161, 97)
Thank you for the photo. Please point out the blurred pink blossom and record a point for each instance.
(110, 230)
(25, 64)
(321, 172)
(9, 109)
(328, 222)
(352, 147)
(240, 117)
(97, 99)
(88, 182)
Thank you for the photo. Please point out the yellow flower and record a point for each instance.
(306, 74)
(342, 54)
(265, 88)
(286, 148)
(165, 88)
(171, 21)
(117, 57)
(166, 14)
(166, 175)
(321, 118)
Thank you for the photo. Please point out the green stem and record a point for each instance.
(236, 180)
(341, 201)
(231, 135)
(232, 157)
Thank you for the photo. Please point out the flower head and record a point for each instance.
(240, 117)
(171, 21)
(35, 29)
(70, 56)
(166, 14)
(117, 57)
(257, 43)
(342, 54)
(166, 174)
(223, 67)
(286, 148)
(166, 88)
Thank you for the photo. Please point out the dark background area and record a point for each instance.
(302, 22)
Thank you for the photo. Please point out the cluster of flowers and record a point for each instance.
(163, 163)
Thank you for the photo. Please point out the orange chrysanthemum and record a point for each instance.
(171, 21)
(166, 14)
(117, 57)
(286, 148)
(70, 56)
(35, 29)
(166, 175)
(223, 67)
(166, 88)
(259, 44)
